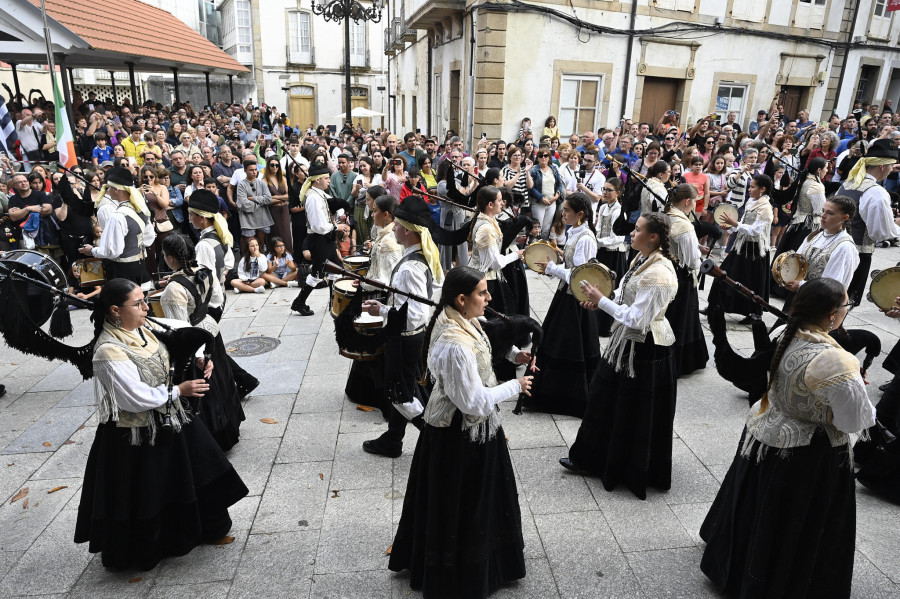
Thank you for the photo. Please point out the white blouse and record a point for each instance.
(585, 250)
(462, 382)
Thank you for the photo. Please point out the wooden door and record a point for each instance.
(356, 101)
(659, 96)
(454, 101)
(791, 98)
(303, 112)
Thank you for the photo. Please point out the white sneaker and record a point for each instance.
(236, 290)
(292, 284)
(260, 289)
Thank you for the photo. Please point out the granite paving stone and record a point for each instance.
(51, 430)
(356, 531)
(320, 393)
(276, 565)
(640, 525)
(546, 485)
(259, 407)
(96, 582)
(64, 378)
(374, 584)
(295, 498)
(188, 591)
(22, 524)
(356, 469)
(671, 574)
(310, 438)
(206, 563)
(277, 378)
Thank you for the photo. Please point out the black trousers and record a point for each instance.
(401, 361)
(858, 282)
(322, 248)
(704, 229)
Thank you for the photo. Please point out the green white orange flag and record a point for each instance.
(65, 142)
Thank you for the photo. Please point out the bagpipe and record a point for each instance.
(33, 290)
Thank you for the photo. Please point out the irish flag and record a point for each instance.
(65, 142)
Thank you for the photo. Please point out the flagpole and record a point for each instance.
(50, 60)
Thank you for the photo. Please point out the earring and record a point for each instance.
(831, 326)
(117, 322)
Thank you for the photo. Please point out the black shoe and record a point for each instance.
(322, 284)
(299, 306)
(379, 447)
(568, 464)
(2, 390)
(883, 387)
(704, 312)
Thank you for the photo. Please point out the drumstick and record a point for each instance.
(334, 269)
(710, 267)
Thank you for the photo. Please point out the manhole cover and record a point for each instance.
(252, 346)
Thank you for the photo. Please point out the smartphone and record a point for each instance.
(483, 135)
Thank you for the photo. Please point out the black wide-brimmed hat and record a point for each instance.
(883, 148)
(120, 176)
(415, 210)
(318, 167)
(205, 201)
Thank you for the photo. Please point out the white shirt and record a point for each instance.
(594, 181)
(585, 250)
(843, 260)
(112, 241)
(648, 302)
(410, 277)
(875, 210)
(318, 218)
(244, 272)
(287, 163)
(29, 138)
(612, 241)
(462, 383)
(206, 257)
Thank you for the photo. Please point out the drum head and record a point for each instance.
(597, 275)
(345, 286)
(885, 288)
(540, 251)
(367, 321)
(721, 211)
(357, 260)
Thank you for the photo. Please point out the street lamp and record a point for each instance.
(338, 10)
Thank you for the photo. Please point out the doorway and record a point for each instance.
(359, 98)
(659, 95)
(303, 107)
(792, 99)
(454, 101)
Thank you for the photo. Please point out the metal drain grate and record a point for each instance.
(251, 346)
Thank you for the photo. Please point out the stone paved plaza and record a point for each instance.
(321, 513)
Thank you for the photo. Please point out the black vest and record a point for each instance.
(219, 249)
(417, 257)
(858, 228)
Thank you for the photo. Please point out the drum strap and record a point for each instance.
(200, 304)
(416, 257)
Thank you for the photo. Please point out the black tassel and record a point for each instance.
(60, 320)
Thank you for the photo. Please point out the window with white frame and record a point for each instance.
(244, 26)
(358, 44)
(687, 5)
(579, 103)
(299, 38)
(748, 10)
(810, 14)
(880, 25)
(731, 97)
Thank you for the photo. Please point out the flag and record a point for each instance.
(893, 5)
(65, 142)
(8, 137)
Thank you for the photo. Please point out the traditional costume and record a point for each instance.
(460, 533)
(832, 256)
(805, 219)
(626, 433)
(487, 256)
(612, 252)
(150, 490)
(568, 355)
(690, 351)
(748, 261)
(784, 521)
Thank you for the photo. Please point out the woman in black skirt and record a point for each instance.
(748, 261)
(460, 534)
(568, 355)
(487, 255)
(156, 484)
(784, 522)
(186, 298)
(626, 434)
(683, 313)
(613, 251)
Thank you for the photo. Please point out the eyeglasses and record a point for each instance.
(670, 139)
(710, 141)
(139, 303)
(609, 189)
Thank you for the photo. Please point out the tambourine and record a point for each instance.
(540, 251)
(885, 287)
(595, 274)
(723, 209)
(789, 267)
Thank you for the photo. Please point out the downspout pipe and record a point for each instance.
(628, 54)
(846, 46)
(427, 128)
(470, 109)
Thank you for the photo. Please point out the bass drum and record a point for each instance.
(40, 267)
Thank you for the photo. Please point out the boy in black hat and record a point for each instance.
(874, 219)
(127, 232)
(319, 231)
(414, 273)
(214, 246)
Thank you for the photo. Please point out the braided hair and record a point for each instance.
(181, 249)
(846, 205)
(680, 193)
(579, 202)
(113, 293)
(658, 224)
(813, 303)
(811, 169)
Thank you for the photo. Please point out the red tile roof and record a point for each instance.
(135, 29)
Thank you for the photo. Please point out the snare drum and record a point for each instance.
(540, 251)
(357, 264)
(343, 291)
(885, 287)
(90, 272)
(365, 324)
(40, 267)
(594, 273)
(155, 305)
(789, 267)
(723, 209)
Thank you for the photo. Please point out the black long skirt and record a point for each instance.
(616, 262)
(790, 241)
(690, 351)
(142, 503)
(460, 534)
(626, 434)
(365, 385)
(749, 268)
(518, 287)
(220, 408)
(503, 301)
(785, 525)
(567, 358)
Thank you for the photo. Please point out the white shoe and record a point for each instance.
(236, 290)
(292, 284)
(260, 289)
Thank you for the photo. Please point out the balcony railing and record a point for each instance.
(389, 49)
(298, 57)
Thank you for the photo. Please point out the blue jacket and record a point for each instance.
(538, 178)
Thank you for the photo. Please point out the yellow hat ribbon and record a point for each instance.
(429, 249)
(219, 224)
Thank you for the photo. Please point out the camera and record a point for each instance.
(582, 172)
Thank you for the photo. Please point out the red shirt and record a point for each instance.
(699, 183)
